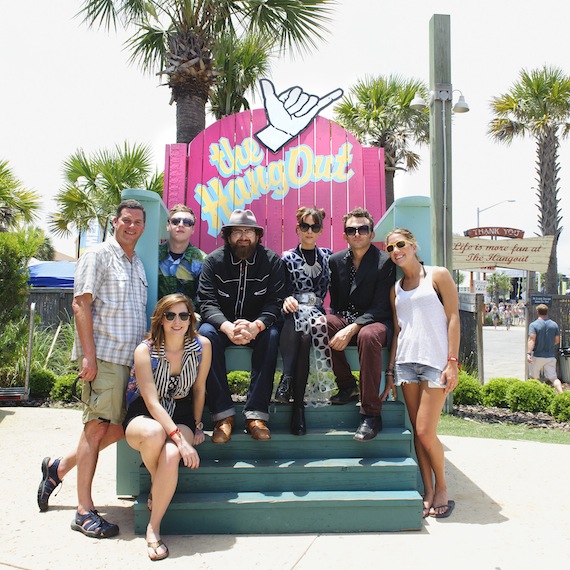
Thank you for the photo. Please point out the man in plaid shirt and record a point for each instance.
(109, 304)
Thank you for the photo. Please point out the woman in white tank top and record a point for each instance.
(424, 357)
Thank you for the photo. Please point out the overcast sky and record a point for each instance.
(65, 87)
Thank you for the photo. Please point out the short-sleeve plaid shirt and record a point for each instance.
(118, 287)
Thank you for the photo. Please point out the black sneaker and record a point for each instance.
(50, 482)
(345, 395)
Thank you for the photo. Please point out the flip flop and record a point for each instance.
(444, 514)
(155, 546)
(425, 512)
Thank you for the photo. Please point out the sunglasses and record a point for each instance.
(304, 227)
(186, 221)
(399, 244)
(170, 316)
(362, 230)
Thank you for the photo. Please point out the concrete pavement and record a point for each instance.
(504, 352)
(509, 514)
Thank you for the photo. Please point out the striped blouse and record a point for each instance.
(168, 387)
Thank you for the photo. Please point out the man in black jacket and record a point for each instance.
(361, 279)
(240, 293)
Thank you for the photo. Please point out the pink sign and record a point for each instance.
(228, 167)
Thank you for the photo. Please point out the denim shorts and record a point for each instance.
(410, 372)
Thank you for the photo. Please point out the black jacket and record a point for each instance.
(370, 292)
(229, 289)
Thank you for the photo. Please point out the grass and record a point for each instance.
(451, 425)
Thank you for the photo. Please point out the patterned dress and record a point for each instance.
(309, 284)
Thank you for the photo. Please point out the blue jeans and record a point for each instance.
(263, 361)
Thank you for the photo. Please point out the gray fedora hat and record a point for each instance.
(245, 218)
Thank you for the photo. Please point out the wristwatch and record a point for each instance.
(200, 425)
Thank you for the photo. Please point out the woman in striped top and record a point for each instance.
(164, 423)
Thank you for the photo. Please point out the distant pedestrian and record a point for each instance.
(543, 336)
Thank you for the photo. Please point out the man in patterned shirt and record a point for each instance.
(109, 304)
(179, 262)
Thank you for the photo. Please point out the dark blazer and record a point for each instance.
(370, 292)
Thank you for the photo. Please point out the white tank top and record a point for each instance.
(423, 325)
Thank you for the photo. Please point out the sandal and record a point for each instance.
(155, 546)
(50, 482)
(92, 524)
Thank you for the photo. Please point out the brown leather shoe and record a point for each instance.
(258, 429)
(223, 430)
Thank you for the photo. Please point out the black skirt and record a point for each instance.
(183, 412)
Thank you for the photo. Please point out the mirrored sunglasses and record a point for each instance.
(186, 221)
(399, 244)
(170, 316)
(362, 230)
(304, 227)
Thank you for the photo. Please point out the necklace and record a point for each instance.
(310, 270)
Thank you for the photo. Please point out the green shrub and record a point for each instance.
(61, 390)
(495, 392)
(530, 396)
(13, 278)
(468, 391)
(238, 382)
(560, 407)
(41, 382)
(14, 350)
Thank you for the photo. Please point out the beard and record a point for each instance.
(243, 251)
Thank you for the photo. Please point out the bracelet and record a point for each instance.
(174, 432)
(454, 359)
(258, 324)
(389, 373)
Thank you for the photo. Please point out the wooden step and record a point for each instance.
(287, 512)
(273, 475)
(317, 444)
(346, 417)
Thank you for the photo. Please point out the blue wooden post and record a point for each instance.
(414, 214)
(147, 246)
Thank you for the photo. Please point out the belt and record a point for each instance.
(308, 299)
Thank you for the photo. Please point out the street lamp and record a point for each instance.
(479, 210)
(440, 108)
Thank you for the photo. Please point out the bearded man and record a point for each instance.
(240, 292)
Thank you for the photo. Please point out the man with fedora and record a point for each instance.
(241, 291)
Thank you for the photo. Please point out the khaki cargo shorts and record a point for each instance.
(104, 398)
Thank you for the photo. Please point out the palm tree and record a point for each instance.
(242, 61)
(35, 243)
(94, 184)
(16, 203)
(538, 105)
(377, 112)
(177, 38)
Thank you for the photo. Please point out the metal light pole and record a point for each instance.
(440, 140)
(479, 210)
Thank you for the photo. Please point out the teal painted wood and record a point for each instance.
(287, 512)
(239, 358)
(391, 474)
(394, 441)
(320, 417)
(390, 442)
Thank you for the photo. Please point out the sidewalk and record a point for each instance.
(510, 514)
(504, 352)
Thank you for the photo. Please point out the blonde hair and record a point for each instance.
(156, 333)
(406, 234)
